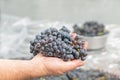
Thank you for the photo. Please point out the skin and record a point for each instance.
(39, 66)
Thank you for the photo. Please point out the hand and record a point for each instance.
(52, 66)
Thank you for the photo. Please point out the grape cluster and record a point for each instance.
(90, 28)
(81, 74)
(58, 43)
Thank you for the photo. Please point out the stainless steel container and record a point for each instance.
(97, 42)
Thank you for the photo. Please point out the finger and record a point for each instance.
(71, 65)
(73, 35)
(86, 45)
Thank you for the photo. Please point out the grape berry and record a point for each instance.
(58, 43)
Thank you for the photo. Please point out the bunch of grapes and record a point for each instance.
(90, 28)
(58, 43)
(81, 74)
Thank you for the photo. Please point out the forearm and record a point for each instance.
(16, 70)
(37, 67)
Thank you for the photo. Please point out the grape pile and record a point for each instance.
(58, 43)
(81, 74)
(90, 28)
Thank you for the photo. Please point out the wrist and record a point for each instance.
(37, 68)
(27, 69)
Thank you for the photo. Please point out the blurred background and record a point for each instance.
(106, 11)
(21, 20)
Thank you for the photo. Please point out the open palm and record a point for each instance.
(54, 66)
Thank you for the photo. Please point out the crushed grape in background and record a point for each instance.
(15, 34)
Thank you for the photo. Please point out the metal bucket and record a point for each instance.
(97, 42)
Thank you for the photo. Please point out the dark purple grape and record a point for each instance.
(50, 39)
(76, 55)
(58, 51)
(32, 43)
(65, 29)
(59, 36)
(59, 39)
(82, 42)
(31, 51)
(50, 45)
(42, 41)
(42, 48)
(36, 41)
(83, 58)
(71, 56)
(42, 33)
(54, 33)
(38, 45)
(70, 50)
(64, 45)
(83, 52)
(54, 44)
(66, 40)
(58, 42)
(68, 57)
(38, 37)
(78, 37)
(50, 54)
(31, 47)
(53, 29)
(43, 36)
(54, 38)
(55, 47)
(77, 47)
(63, 50)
